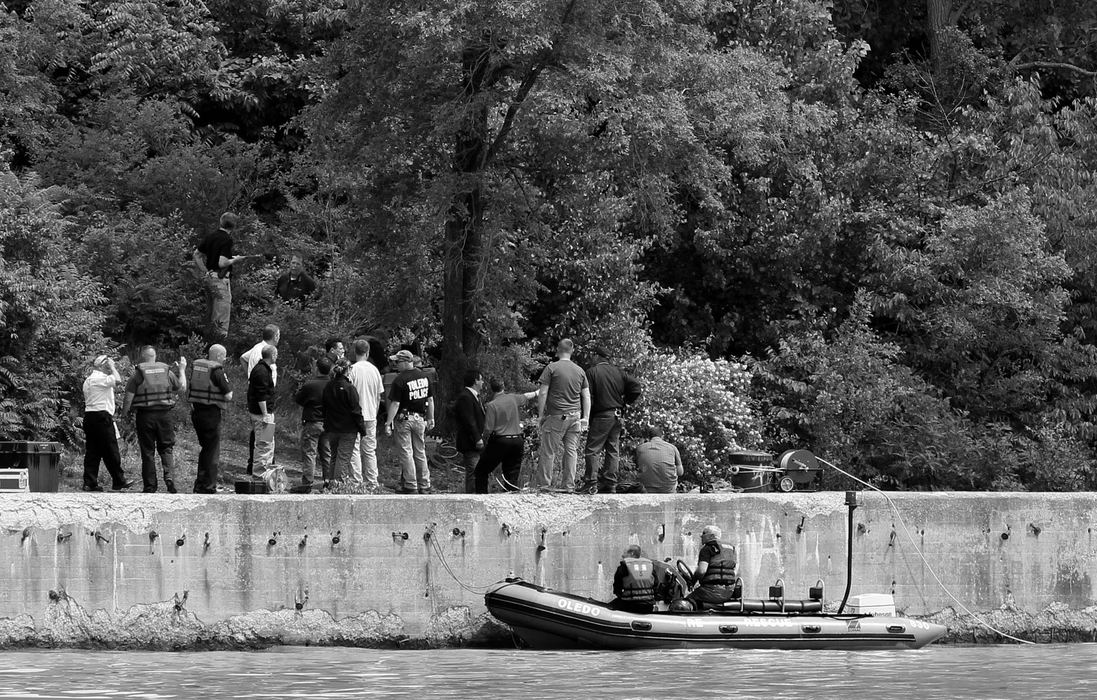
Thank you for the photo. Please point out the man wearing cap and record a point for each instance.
(610, 390)
(209, 394)
(563, 408)
(715, 571)
(151, 392)
(214, 257)
(100, 433)
(410, 415)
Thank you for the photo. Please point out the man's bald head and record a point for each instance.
(148, 354)
(217, 353)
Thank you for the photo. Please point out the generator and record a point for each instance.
(795, 470)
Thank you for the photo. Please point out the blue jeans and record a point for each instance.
(410, 439)
(558, 433)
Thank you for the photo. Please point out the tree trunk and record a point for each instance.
(463, 255)
(939, 17)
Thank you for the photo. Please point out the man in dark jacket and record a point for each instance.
(611, 389)
(310, 397)
(343, 421)
(295, 284)
(468, 413)
(261, 405)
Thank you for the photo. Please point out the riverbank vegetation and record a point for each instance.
(862, 228)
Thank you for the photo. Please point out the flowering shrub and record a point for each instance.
(702, 406)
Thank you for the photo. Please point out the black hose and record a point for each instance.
(849, 557)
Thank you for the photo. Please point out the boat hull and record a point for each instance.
(547, 619)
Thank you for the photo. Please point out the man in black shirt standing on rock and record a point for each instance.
(214, 257)
(610, 390)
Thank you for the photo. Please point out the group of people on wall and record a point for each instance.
(344, 403)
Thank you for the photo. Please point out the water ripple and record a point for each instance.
(337, 673)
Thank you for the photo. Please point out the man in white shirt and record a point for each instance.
(366, 379)
(100, 433)
(271, 335)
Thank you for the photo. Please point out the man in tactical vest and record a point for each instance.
(209, 394)
(151, 392)
(634, 582)
(715, 571)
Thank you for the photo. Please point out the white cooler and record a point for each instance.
(880, 604)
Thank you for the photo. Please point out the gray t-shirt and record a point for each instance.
(659, 465)
(565, 381)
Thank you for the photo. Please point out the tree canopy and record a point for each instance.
(860, 228)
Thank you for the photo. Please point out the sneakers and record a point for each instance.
(170, 486)
(124, 485)
(427, 491)
(405, 490)
(93, 489)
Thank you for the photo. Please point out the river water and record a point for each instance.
(1029, 672)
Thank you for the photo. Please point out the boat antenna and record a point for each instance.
(852, 501)
(917, 550)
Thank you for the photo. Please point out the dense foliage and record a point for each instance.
(861, 228)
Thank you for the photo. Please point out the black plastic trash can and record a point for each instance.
(42, 460)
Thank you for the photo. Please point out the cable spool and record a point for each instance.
(800, 470)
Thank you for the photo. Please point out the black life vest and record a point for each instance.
(721, 566)
(639, 583)
(155, 389)
(201, 389)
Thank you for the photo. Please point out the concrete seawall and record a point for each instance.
(159, 571)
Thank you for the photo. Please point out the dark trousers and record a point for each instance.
(155, 433)
(207, 426)
(603, 435)
(469, 460)
(506, 451)
(101, 444)
(632, 606)
(251, 452)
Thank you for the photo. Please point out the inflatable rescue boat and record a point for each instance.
(547, 619)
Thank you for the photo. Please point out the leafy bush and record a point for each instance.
(702, 405)
(50, 315)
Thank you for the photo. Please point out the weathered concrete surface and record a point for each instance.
(188, 571)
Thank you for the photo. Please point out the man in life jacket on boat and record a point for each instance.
(639, 583)
(715, 573)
